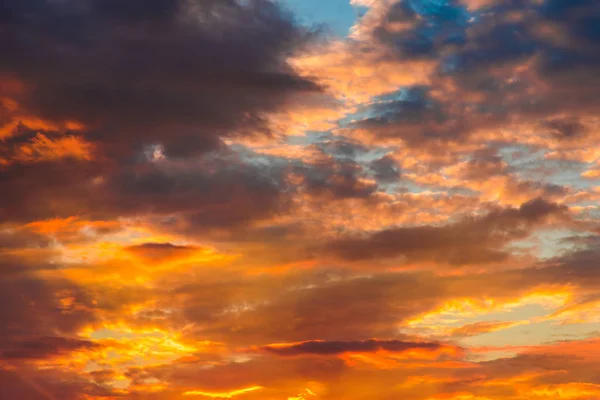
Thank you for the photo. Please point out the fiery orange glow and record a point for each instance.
(228, 395)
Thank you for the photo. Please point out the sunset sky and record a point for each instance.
(299, 200)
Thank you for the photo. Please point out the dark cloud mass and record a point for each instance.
(505, 62)
(209, 194)
(36, 310)
(144, 79)
(340, 347)
(438, 25)
(472, 240)
(43, 347)
(156, 72)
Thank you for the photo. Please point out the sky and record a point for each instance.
(299, 200)
(335, 17)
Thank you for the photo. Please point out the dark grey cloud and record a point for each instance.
(143, 72)
(31, 307)
(469, 241)
(436, 26)
(336, 179)
(213, 191)
(220, 189)
(417, 117)
(386, 169)
(30, 384)
(161, 251)
(481, 55)
(328, 348)
(578, 266)
(43, 347)
(41, 314)
(566, 128)
(139, 75)
(158, 246)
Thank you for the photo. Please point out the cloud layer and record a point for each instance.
(209, 199)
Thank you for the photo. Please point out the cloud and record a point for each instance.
(211, 195)
(124, 86)
(480, 328)
(328, 348)
(386, 169)
(161, 251)
(274, 375)
(178, 73)
(496, 67)
(40, 315)
(43, 347)
(227, 395)
(473, 240)
(48, 385)
(45, 147)
(335, 179)
(207, 198)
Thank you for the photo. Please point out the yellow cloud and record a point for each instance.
(226, 395)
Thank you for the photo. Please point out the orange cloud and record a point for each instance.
(458, 396)
(43, 148)
(350, 73)
(565, 391)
